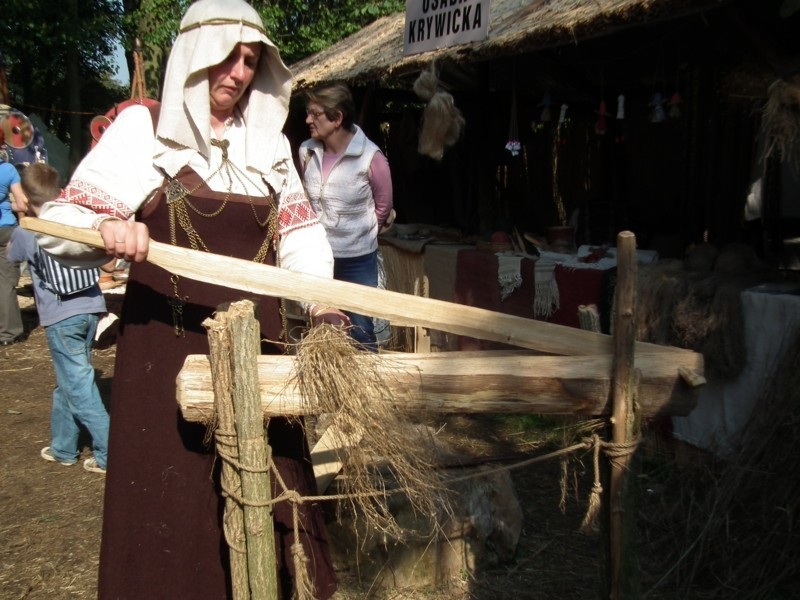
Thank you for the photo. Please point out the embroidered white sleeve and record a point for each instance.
(113, 180)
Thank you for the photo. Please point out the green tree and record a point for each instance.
(302, 27)
(59, 59)
(298, 27)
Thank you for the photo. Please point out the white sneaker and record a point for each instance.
(90, 464)
(47, 454)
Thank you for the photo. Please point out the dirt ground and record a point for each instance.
(51, 515)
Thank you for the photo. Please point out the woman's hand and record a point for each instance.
(125, 239)
(327, 314)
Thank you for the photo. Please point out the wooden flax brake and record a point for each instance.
(397, 308)
(558, 387)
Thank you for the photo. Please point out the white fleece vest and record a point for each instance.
(343, 202)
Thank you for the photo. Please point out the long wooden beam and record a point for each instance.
(397, 308)
(480, 382)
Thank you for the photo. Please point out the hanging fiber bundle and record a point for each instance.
(343, 381)
(442, 122)
(782, 120)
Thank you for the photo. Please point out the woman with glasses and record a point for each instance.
(349, 184)
(210, 171)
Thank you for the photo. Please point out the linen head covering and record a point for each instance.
(209, 31)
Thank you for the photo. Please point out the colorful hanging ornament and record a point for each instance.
(546, 103)
(562, 117)
(657, 114)
(674, 105)
(619, 135)
(513, 145)
(600, 125)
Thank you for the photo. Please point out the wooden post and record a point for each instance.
(468, 382)
(622, 412)
(219, 341)
(253, 447)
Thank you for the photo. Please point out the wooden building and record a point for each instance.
(663, 130)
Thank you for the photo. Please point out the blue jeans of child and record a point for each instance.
(363, 270)
(76, 399)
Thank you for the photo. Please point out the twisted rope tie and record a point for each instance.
(615, 452)
(304, 586)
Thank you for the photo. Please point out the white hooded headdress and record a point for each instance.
(209, 31)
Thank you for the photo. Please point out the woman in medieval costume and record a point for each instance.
(211, 172)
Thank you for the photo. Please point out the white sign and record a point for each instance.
(432, 24)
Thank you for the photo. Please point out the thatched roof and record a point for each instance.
(515, 26)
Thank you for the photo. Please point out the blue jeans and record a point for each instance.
(76, 399)
(363, 270)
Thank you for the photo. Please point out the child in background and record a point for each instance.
(70, 321)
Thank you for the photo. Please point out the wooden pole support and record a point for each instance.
(253, 451)
(472, 382)
(622, 415)
(219, 340)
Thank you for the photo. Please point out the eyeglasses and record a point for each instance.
(314, 114)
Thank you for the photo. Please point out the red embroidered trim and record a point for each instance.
(95, 199)
(295, 213)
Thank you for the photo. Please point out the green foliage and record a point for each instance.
(302, 27)
(298, 27)
(154, 22)
(43, 41)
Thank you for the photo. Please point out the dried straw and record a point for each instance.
(782, 120)
(335, 377)
(696, 303)
(442, 122)
(731, 526)
(405, 272)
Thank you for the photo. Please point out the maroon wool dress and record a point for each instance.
(162, 533)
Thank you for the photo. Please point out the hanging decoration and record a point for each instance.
(442, 122)
(546, 103)
(600, 126)
(675, 105)
(559, 141)
(657, 114)
(100, 123)
(513, 145)
(675, 99)
(562, 117)
(620, 107)
(21, 142)
(619, 137)
(657, 101)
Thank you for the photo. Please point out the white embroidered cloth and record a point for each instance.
(508, 274)
(545, 294)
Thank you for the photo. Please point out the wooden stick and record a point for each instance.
(492, 381)
(399, 309)
(328, 453)
(692, 378)
(253, 456)
(219, 341)
(622, 418)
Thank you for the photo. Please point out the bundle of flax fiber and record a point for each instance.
(337, 378)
